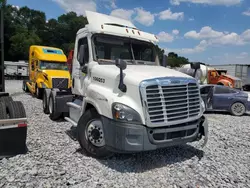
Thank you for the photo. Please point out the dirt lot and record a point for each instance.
(55, 160)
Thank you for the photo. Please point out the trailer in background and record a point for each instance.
(241, 71)
(18, 70)
(13, 120)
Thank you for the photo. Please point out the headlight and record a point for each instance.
(124, 113)
(203, 107)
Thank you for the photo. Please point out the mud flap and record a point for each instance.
(204, 130)
(13, 141)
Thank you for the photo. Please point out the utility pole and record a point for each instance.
(2, 6)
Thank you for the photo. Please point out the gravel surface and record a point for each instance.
(55, 160)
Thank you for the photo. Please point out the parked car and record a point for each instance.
(223, 98)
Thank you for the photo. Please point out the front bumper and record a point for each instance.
(125, 137)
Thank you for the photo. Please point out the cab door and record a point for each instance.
(80, 73)
(206, 92)
(223, 97)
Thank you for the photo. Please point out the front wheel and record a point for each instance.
(91, 135)
(238, 109)
(25, 88)
(54, 115)
(45, 102)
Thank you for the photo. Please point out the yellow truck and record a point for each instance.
(47, 69)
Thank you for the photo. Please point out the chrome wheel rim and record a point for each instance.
(94, 133)
(238, 108)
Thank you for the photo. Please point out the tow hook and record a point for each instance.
(204, 130)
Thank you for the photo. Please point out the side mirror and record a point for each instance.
(121, 64)
(81, 55)
(195, 66)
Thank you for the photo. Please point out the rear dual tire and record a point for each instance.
(3, 111)
(12, 110)
(6, 99)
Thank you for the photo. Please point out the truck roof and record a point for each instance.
(101, 23)
(47, 53)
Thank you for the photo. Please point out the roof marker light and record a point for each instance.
(102, 26)
(127, 30)
(133, 32)
(139, 33)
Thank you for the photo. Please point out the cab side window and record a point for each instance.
(205, 90)
(83, 41)
(222, 90)
(33, 65)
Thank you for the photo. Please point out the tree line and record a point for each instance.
(24, 27)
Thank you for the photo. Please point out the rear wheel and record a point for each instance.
(91, 135)
(6, 99)
(238, 109)
(3, 112)
(15, 109)
(54, 115)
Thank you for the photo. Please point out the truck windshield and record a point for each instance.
(109, 48)
(52, 65)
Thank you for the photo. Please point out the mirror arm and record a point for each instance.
(122, 86)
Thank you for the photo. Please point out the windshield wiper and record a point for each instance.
(106, 60)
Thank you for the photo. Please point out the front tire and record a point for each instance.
(90, 135)
(238, 109)
(54, 115)
(25, 88)
(39, 92)
(45, 102)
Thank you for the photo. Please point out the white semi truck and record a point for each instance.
(121, 99)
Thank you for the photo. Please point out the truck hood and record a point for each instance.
(57, 73)
(134, 74)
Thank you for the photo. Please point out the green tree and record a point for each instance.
(160, 53)
(25, 27)
(20, 43)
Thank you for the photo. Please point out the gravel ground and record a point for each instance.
(55, 160)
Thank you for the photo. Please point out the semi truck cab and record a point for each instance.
(47, 69)
(121, 99)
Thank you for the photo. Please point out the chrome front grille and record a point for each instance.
(60, 83)
(172, 103)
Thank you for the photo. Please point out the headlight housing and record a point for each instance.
(124, 113)
(203, 107)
